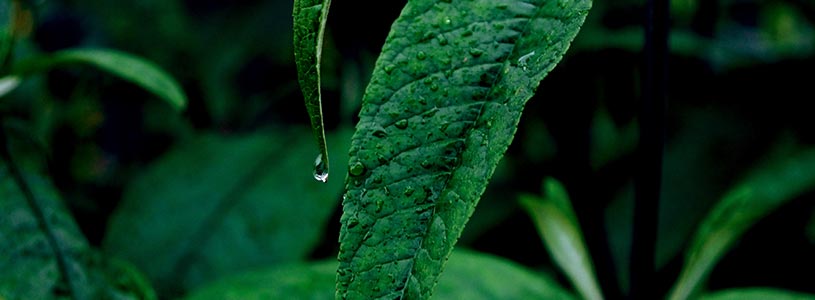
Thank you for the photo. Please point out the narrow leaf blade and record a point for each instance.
(767, 188)
(557, 224)
(440, 111)
(126, 66)
(309, 27)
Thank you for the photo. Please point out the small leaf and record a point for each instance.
(126, 66)
(757, 293)
(309, 27)
(440, 111)
(44, 255)
(469, 275)
(767, 188)
(216, 205)
(557, 223)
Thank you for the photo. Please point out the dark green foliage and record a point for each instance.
(443, 105)
(43, 255)
(465, 278)
(185, 222)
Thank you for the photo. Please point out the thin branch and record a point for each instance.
(649, 152)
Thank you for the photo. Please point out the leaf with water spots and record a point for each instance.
(309, 27)
(440, 111)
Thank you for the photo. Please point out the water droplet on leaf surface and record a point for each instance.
(356, 169)
(320, 169)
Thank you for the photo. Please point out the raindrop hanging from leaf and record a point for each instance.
(309, 27)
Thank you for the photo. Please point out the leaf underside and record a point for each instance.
(443, 105)
(309, 27)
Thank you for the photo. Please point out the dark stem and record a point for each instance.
(36, 209)
(649, 152)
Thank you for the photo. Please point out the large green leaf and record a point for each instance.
(764, 190)
(440, 111)
(216, 204)
(43, 255)
(757, 293)
(469, 275)
(126, 66)
(557, 223)
(309, 27)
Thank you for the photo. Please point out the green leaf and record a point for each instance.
(216, 205)
(757, 293)
(126, 66)
(43, 255)
(768, 187)
(309, 27)
(440, 111)
(557, 223)
(469, 275)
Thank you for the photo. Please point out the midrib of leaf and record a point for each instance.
(37, 210)
(309, 30)
(429, 226)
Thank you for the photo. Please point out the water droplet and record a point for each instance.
(320, 169)
(389, 69)
(448, 21)
(426, 164)
(442, 40)
(378, 179)
(356, 169)
(380, 133)
(401, 124)
(421, 55)
(434, 87)
(352, 222)
(379, 204)
(475, 52)
(523, 60)
(409, 191)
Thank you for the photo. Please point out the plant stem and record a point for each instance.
(649, 152)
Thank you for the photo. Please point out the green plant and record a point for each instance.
(223, 206)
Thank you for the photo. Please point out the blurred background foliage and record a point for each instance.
(739, 90)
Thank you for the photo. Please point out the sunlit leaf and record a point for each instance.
(126, 66)
(469, 275)
(309, 27)
(43, 255)
(216, 205)
(557, 223)
(763, 191)
(440, 111)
